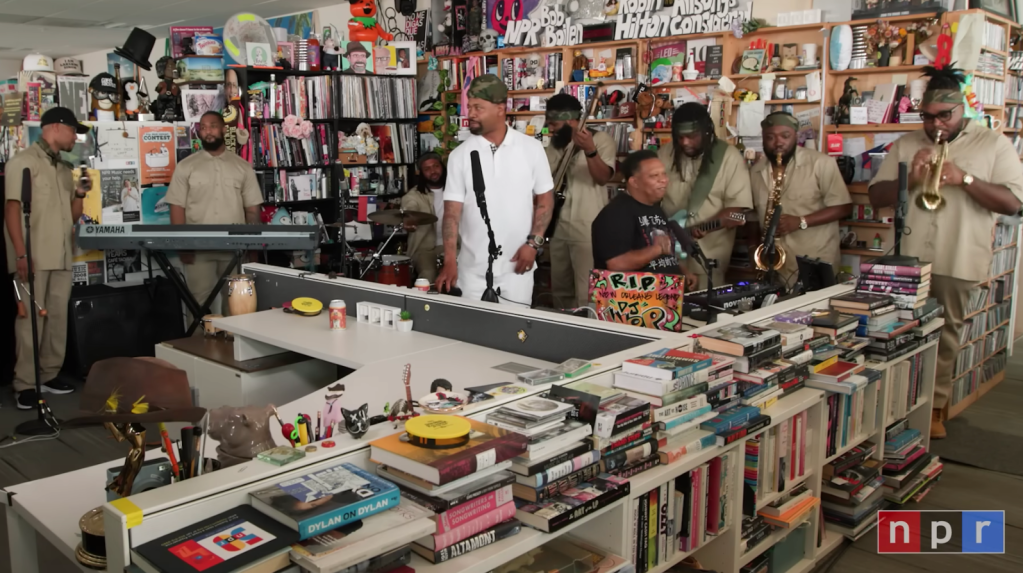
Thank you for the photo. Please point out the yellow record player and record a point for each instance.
(306, 306)
(438, 431)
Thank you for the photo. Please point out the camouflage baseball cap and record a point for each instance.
(490, 88)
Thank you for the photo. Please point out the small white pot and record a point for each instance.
(404, 326)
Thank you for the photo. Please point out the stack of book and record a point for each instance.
(530, 416)
(736, 423)
(890, 330)
(836, 337)
(623, 432)
(907, 285)
(909, 470)
(468, 487)
(338, 513)
(683, 514)
(928, 328)
(853, 513)
(754, 530)
(846, 404)
(790, 509)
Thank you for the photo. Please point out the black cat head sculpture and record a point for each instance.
(357, 421)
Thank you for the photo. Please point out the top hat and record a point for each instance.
(135, 390)
(137, 48)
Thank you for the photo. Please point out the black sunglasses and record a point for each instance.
(941, 115)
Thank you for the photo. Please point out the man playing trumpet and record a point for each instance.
(980, 178)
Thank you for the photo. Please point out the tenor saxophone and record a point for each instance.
(930, 194)
(773, 201)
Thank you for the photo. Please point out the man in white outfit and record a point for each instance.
(518, 195)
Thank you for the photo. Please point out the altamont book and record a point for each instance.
(325, 500)
(361, 540)
(486, 443)
(478, 541)
(224, 543)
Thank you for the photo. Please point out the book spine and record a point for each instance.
(603, 500)
(566, 468)
(679, 396)
(631, 455)
(573, 479)
(472, 460)
(653, 508)
(636, 468)
(626, 442)
(635, 534)
(468, 511)
(868, 268)
(890, 278)
(732, 435)
(679, 408)
(478, 541)
(685, 418)
(345, 515)
(481, 523)
(674, 454)
(642, 538)
(868, 286)
(553, 461)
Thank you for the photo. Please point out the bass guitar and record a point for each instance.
(704, 227)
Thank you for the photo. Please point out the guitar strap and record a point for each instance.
(705, 179)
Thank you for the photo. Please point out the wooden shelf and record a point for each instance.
(961, 405)
(873, 127)
(790, 102)
(994, 51)
(885, 70)
(988, 76)
(869, 224)
(863, 252)
(1003, 247)
(612, 120)
(608, 82)
(525, 112)
(986, 106)
(529, 92)
(684, 84)
(739, 77)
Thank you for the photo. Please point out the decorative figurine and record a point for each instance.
(332, 410)
(488, 40)
(357, 421)
(402, 409)
(849, 97)
(363, 26)
(167, 106)
(242, 432)
(789, 57)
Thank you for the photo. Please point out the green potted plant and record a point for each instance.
(405, 321)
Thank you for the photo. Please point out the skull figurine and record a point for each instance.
(488, 40)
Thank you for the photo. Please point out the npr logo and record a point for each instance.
(941, 532)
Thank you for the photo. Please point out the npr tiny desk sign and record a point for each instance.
(949, 532)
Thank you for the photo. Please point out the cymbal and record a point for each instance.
(400, 216)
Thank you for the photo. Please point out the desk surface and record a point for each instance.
(221, 350)
(358, 345)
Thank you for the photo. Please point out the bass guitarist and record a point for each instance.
(707, 180)
(592, 166)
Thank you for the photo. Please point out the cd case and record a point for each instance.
(544, 376)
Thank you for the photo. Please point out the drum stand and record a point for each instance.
(376, 260)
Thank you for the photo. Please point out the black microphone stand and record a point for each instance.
(489, 295)
(708, 267)
(897, 259)
(45, 422)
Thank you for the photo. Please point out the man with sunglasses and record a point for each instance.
(981, 179)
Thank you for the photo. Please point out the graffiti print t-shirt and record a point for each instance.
(626, 225)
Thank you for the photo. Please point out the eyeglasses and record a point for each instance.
(940, 116)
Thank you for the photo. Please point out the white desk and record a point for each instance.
(267, 332)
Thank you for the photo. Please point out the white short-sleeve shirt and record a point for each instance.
(513, 174)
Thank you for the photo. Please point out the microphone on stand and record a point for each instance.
(26, 191)
(478, 187)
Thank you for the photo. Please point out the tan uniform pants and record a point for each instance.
(53, 290)
(571, 263)
(424, 261)
(954, 295)
(202, 276)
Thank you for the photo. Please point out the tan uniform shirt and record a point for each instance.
(425, 235)
(812, 183)
(52, 227)
(583, 198)
(214, 190)
(731, 190)
(956, 238)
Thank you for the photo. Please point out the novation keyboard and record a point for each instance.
(197, 237)
(739, 296)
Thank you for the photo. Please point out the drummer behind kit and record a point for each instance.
(392, 269)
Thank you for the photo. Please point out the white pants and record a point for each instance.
(514, 289)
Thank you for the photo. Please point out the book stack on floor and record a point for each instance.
(682, 515)
(467, 486)
(847, 402)
(908, 286)
(854, 493)
(909, 471)
(681, 390)
(339, 514)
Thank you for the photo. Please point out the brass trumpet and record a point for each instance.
(773, 201)
(930, 193)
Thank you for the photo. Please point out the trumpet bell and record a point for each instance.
(930, 202)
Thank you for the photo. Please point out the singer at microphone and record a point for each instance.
(632, 232)
(41, 187)
(514, 179)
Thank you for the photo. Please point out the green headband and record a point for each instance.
(685, 127)
(943, 96)
(566, 115)
(780, 119)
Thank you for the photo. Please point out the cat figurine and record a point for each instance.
(357, 421)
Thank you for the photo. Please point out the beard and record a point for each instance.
(213, 145)
(475, 128)
(561, 138)
(786, 156)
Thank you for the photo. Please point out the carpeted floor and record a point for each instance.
(987, 435)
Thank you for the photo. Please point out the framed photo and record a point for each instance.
(287, 51)
(259, 55)
(1006, 8)
(199, 101)
(752, 61)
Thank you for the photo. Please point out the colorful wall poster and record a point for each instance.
(157, 157)
(87, 266)
(649, 300)
(122, 201)
(88, 272)
(118, 263)
(117, 144)
(127, 66)
(356, 57)
(73, 93)
(155, 210)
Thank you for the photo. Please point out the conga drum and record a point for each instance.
(241, 294)
(396, 270)
(207, 325)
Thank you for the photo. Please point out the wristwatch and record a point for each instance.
(535, 241)
(592, 154)
(967, 180)
(802, 223)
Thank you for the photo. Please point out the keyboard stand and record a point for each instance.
(186, 295)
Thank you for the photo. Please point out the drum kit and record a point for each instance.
(389, 269)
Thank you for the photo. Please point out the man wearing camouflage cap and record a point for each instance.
(515, 171)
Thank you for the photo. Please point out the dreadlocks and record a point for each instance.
(947, 78)
(690, 118)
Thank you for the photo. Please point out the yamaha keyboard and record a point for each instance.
(197, 237)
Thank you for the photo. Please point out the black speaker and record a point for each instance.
(108, 322)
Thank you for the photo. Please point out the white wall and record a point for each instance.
(9, 68)
(768, 10)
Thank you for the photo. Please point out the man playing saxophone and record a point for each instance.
(980, 178)
(813, 196)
